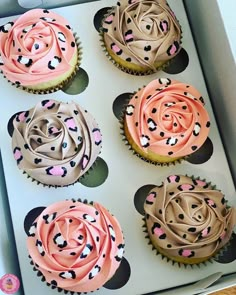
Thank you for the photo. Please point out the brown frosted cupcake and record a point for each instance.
(38, 51)
(75, 246)
(187, 219)
(55, 143)
(141, 36)
(166, 121)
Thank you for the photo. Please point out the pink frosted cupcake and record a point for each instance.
(38, 51)
(75, 246)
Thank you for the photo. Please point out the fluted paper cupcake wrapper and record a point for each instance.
(219, 253)
(122, 131)
(67, 185)
(124, 69)
(60, 85)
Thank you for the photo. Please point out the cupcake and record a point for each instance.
(140, 36)
(55, 143)
(38, 51)
(166, 121)
(187, 219)
(75, 246)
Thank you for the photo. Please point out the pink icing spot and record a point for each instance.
(210, 202)
(22, 117)
(164, 26)
(97, 136)
(115, 48)
(158, 231)
(48, 104)
(85, 162)
(200, 182)
(17, 155)
(70, 123)
(223, 235)
(173, 49)
(109, 19)
(186, 253)
(186, 187)
(151, 197)
(54, 130)
(172, 178)
(57, 171)
(204, 232)
(129, 36)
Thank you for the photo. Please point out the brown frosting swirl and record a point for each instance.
(188, 218)
(143, 32)
(55, 142)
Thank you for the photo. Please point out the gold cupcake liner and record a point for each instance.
(168, 259)
(60, 85)
(122, 132)
(123, 68)
(211, 260)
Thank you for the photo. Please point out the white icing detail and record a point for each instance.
(151, 125)
(7, 27)
(50, 218)
(112, 233)
(86, 251)
(120, 253)
(169, 104)
(27, 29)
(59, 240)
(67, 275)
(48, 19)
(129, 110)
(164, 81)
(61, 37)
(89, 218)
(24, 60)
(190, 95)
(32, 230)
(55, 62)
(172, 141)
(143, 140)
(197, 129)
(40, 249)
(95, 271)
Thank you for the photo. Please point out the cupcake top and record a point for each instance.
(168, 118)
(36, 48)
(142, 32)
(55, 142)
(188, 217)
(76, 246)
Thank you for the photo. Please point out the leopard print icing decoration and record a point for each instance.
(187, 219)
(166, 118)
(38, 50)
(55, 143)
(142, 35)
(81, 247)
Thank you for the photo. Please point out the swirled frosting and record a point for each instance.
(143, 32)
(168, 118)
(76, 246)
(38, 47)
(55, 142)
(188, 217)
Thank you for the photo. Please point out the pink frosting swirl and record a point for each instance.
(168, 118)
(76, 246)
(36, 48)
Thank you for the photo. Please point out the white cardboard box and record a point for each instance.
(98, 68)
